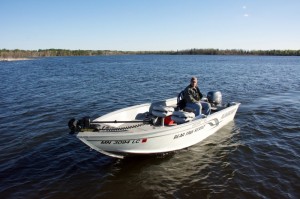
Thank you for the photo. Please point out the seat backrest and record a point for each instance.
(181, 103)
(162, 111)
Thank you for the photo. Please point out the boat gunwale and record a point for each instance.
(156, 132)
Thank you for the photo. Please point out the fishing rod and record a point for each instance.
(120, 121)
(85, 123)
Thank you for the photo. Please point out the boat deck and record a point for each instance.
(139, 126)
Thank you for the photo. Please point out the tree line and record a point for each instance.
(17, 53)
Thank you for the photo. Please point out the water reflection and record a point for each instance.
(168, 174)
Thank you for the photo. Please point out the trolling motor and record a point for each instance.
(77, 125)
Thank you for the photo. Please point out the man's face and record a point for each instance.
(194, 82)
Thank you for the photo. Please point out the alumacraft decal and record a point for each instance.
(179, 135)
(228, 113)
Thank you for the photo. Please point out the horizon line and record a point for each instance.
(152, 50)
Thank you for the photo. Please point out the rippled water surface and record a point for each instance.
(255, 156)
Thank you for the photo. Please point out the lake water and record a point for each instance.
(255, 156)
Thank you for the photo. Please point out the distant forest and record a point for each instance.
(4, 53)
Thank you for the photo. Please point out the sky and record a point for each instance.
(138, 25)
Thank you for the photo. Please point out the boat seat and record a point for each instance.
(182, 117)
(181, 103)
(162, 112)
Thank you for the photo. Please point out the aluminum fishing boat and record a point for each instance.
(152, 128)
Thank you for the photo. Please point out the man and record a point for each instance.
(192, 96)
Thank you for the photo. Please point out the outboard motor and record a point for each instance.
(214, 98)
(77, 125)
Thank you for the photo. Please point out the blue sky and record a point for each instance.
(150, 24)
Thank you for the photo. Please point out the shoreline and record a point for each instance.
(25, 54)
(14, 59)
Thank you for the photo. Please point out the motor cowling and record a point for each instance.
(214, 97)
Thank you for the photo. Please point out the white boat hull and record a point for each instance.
(154, 139)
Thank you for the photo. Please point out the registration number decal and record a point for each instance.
(123, 141)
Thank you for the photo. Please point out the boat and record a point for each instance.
(152, 128)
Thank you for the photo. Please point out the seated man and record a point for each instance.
(192, 96)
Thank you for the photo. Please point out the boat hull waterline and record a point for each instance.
(154, 139)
